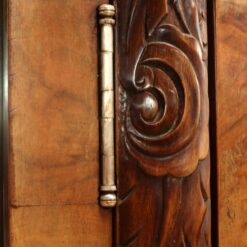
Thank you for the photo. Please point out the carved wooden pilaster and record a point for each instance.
(162, 126)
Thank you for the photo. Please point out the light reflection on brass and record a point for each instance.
(107, 146)
(108, 188)
(107, 104)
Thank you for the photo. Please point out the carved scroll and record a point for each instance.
(163, 164)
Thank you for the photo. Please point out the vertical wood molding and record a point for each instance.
(163, 145)
(1, 121)
(4, 121)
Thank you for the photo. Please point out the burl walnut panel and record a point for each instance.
(53, 125)
(162, 126)
(231, 95)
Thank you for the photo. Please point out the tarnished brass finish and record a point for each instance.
(108, 188)
(108, 200)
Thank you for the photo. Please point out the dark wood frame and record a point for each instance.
(211, 12)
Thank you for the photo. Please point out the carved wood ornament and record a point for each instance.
(162, 126)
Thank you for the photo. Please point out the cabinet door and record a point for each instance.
(161, 135)
(53, 162)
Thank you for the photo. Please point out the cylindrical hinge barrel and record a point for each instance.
(108, 188)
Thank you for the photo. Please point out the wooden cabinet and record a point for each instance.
(180, 124)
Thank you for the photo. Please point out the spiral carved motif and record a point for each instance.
(162, 124)
(166, 116)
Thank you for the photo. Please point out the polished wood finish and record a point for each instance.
(162, 127)
(231, 105)
(53, 125)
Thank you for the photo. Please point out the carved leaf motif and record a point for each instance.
(193, 21)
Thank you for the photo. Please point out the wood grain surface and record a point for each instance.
(231, 94)
(53, 125)
(60, 226)
(162, 128)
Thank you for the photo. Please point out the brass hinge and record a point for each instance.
(107, 188)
